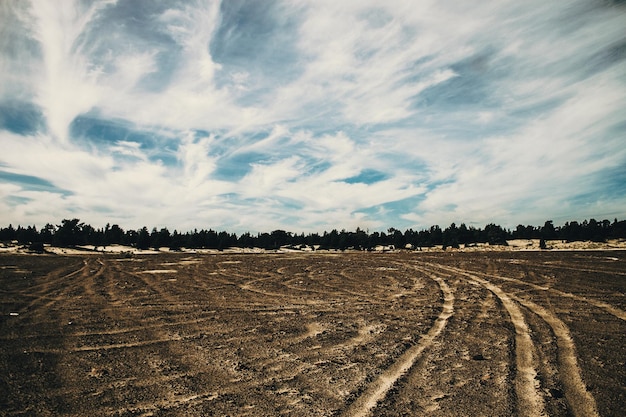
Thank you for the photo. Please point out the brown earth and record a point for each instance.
(394, 334)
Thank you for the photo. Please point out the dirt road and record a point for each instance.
(355, 334)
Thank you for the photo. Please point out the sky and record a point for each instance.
(246, 115)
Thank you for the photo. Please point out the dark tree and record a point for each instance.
(143, 238)
(69, 233)
(280, 238)
(8, 234)
(436, 235)
(114, 235)
(524, 232)
(397, 238)
(465, 235)
(618, 229)
(176, 241)
(46, 235)
(450, 237)
(495, 235)
(72, 232)
(27, 235)
(548, 231)
(159, 239)
(245, 240)
(36, 247)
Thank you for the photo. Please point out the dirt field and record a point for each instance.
(395, 334)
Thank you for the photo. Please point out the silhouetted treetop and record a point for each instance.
(72, 232)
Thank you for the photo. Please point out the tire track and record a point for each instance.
(166, 340)
(378, 389)
(278, 278)
(98, 348)
(116, 331)
(620, 314)
(228, 276)
(117, 343)
(56, 286)
(526, 384)
(366, 332)
(332, 289)
(531, 402)
(595, 271)
(57, 276)
(579, 399)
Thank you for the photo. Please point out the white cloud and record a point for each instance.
(538, 168)
(127, 148)
(193, 155)
(498, 111)
(266, 180)
(291, 179)
(363, 70)
(66, 89)
(132, 68)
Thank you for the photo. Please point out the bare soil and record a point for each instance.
(354, 334)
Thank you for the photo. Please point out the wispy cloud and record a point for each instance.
(311, 115)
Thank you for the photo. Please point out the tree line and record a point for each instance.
(72, 232)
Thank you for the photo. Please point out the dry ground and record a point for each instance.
(438, 334)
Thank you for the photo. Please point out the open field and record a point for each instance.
(439, 334)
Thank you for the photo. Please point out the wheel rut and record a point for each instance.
(581, 402)
(405, 333)
(530, 401)
(378, 389)
(620, 314)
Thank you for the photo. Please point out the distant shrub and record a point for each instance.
(36, 247)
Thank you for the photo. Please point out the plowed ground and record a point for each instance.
(437, 334)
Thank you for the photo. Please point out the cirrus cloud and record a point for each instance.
(311, 115)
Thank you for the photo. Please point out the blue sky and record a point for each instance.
(312, 115)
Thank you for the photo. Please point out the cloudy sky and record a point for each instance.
(246, 115)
